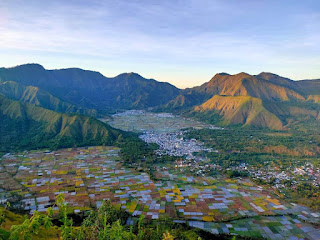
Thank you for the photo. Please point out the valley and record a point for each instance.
(191, 188)
(236, 155)
(163, 129)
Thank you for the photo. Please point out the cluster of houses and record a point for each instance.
(294, 175)
(174, 144)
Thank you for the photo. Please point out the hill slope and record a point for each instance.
(28, 126)
(90, 89)
(314, 98)
(41, 98)
(240, 110)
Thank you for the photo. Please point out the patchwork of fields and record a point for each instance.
(142, 121)
(86, 176)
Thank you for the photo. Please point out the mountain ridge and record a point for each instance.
(90, 89)
(278, 98)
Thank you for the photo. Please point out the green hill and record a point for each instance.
(26, 126)
(41, 98)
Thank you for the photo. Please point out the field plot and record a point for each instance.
(279, 227)
(141, 121)
(89, 175)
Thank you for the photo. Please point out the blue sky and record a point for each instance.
(181, 42)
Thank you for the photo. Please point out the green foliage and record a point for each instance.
(3, 212)
(31, 227)
(234, 174)
(66, 228)
(134, 150)
(4, 234)
(256, 146)
(116, 232)
(105, 223)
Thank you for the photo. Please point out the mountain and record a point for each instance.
(184, 100)
(304, 87)
(36, 96)
(240, 110)
(309, 86)
(26, 126)
(89, 89)
(263, 100)
(260, 86)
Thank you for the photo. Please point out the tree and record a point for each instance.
(102, 224)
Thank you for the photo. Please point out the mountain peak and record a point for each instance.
(242, 75)
(274, 78)
(220, 75)
(223, 74)
(267, 75)
(129, 75)
(32, 66)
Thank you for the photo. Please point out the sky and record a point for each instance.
(182, 42)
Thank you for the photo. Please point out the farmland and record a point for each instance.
(86, 176)
(141, 121)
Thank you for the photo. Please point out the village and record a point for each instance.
(279, 179)
(174, 144)
(290, 178)
(165, 130)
